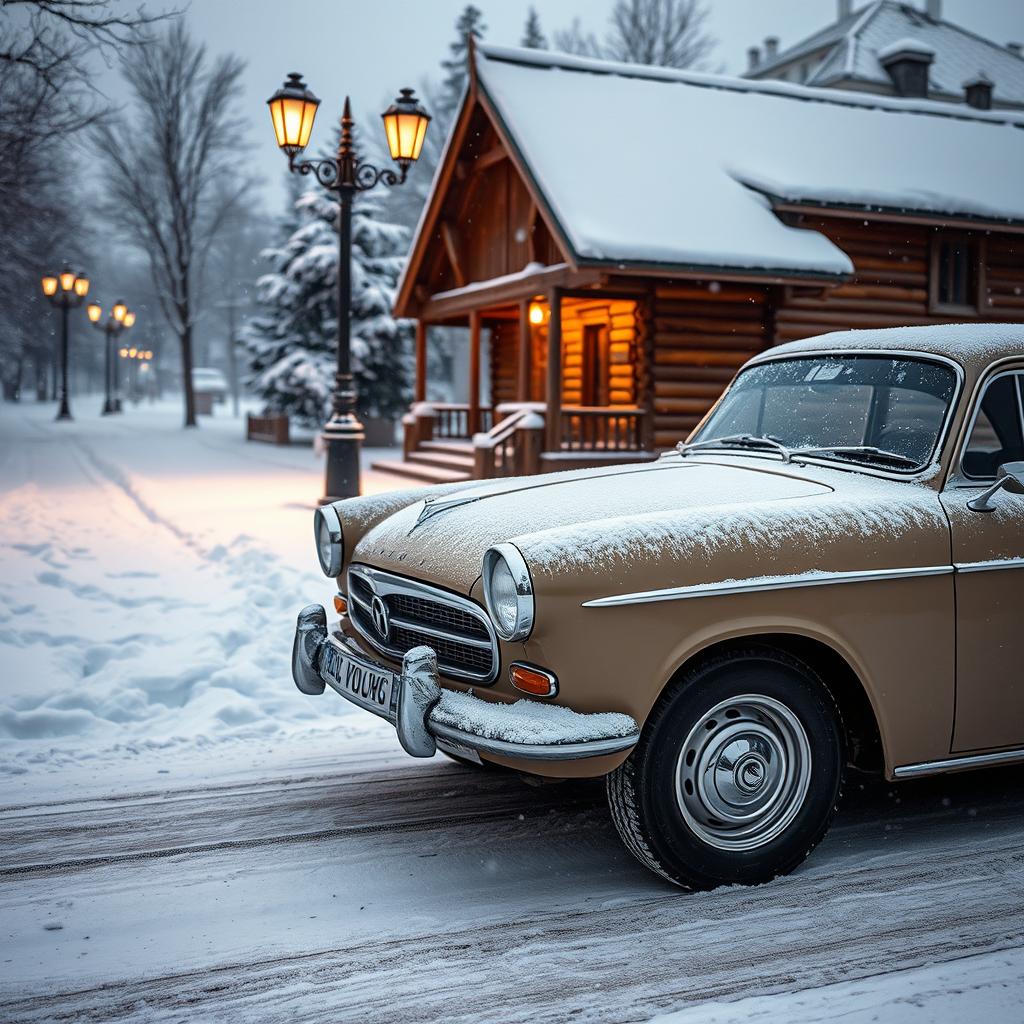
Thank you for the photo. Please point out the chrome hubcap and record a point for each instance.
(743, 772)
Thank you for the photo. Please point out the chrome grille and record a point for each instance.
(458, 629)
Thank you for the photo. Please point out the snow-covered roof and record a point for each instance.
(860, 41)
(643, 165)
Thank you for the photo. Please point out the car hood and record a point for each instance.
(443, 540)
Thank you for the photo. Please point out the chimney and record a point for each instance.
(933, 8)
(978, 92)
(771, 47)
(907, 61)
(844, 9)
(753, 58)
(1016, 48)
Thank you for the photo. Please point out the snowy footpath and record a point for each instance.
(184, 837)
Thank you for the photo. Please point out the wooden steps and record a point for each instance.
(435, 462)
(421, 472)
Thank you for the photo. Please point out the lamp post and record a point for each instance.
(116, 322)
(65, 290)
(293, 109)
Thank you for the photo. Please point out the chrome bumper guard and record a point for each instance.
(417, 692)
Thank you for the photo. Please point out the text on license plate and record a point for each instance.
(366, 685)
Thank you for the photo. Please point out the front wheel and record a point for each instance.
(737, 773)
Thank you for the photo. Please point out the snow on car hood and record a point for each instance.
(448, 547)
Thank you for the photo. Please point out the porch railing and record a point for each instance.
(511, 447)
(451, 419)
(586, 428)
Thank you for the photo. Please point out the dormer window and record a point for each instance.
(955, 282)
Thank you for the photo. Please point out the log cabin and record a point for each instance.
(623, 238)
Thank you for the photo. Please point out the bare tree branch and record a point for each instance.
(167, 162)
(668, 33)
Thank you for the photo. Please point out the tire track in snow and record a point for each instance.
(617, 963)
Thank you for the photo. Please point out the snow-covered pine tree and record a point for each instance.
(291, 345)
(469, 22)
(533, 37)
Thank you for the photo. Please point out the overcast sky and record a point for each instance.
(370, 48)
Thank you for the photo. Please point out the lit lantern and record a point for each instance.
(81, 286)
(94, 311)
(129, 319)
(405, 124)
(67, 280)
(123, 353)
(292, 110)
(132, 353)
(149, 354)
(119, 311)
(49, 286)
(536, 314)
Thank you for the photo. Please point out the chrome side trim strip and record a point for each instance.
(758, 583)
(992, 563)
(952, 764)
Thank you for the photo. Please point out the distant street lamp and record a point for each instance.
(293, 109)
(65, 290)
(116, 322)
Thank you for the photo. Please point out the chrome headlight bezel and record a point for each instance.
(326, 518)
(509, 555)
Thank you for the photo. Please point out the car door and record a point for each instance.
(988, 553)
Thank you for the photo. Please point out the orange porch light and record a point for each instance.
(537, 314)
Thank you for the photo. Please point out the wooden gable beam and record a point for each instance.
(451, 247)
(519, 163)
(494, 155)
(405, 302)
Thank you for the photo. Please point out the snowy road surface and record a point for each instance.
(184, 837)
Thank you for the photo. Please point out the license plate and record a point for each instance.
(359, 679)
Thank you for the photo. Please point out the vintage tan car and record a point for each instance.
(826, 574)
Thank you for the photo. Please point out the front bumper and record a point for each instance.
(425, 715)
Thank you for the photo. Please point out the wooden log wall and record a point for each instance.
(1004, 276)
(504, 343)
(618, 318)
(890, 285)
(702, 334)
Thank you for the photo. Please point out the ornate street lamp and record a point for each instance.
(65, 290)
(116, 322)
(292, 110)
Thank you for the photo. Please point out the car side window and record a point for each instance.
(998, 432)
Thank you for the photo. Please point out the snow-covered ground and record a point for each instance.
(186, 838)
(149, 581)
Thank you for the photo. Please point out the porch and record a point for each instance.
(566, 385)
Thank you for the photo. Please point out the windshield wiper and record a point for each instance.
(737, 441)
(861, 452)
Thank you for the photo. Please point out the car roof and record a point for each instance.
(973, 346)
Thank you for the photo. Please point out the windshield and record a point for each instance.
(853, 408)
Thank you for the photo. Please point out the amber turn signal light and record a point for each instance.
(340, 604)
(532, 680)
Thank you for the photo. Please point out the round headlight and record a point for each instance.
(508, 592)
(330, 548)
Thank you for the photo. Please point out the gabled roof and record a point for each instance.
(858, 40)
(648, 165)
(648, 169)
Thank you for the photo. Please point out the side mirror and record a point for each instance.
(1010, 477)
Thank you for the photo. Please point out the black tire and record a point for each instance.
(667, 819)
